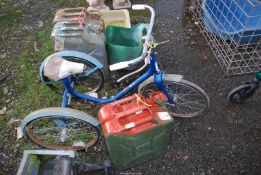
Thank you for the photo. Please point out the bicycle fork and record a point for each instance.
(158, 79)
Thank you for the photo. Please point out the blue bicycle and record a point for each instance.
(78, 75)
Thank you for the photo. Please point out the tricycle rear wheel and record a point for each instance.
(61, 128)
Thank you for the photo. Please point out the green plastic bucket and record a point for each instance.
(124, 44)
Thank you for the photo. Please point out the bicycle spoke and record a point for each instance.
(189, 106)
(39, 131)
(177, 107)
(193, 102)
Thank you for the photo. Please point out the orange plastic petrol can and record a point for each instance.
(136, 129)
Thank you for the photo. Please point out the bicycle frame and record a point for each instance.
(153, 70)
(254, 86)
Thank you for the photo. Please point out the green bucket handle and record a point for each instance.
(139, 29)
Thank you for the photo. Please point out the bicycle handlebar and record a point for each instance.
(138, 7)
(120, 65)
(125, 64)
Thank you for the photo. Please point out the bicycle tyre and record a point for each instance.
(235, 96)
(84, 121)
(169, 79)
(59, 88)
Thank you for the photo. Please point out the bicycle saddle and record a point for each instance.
(57, 68)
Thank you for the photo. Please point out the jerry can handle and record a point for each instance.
(137, 123)
(71, 35)
(132, 111)
(124, 100)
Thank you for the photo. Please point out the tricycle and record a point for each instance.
(66, 128)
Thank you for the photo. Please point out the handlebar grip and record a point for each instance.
(120, 65)
(138, 7)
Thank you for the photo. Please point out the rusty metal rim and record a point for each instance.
(28, 131)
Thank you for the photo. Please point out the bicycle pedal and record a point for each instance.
(66, 166)
(80, 144)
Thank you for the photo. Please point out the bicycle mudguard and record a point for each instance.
(66, 112)
(74, 54)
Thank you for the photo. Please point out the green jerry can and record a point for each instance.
(135, 129)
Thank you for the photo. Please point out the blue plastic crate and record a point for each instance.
(235, 20)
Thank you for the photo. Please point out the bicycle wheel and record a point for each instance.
(61, 128)
(91, 80)
(190, 99)
(239, 94)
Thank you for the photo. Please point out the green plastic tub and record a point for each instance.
(124, 44)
